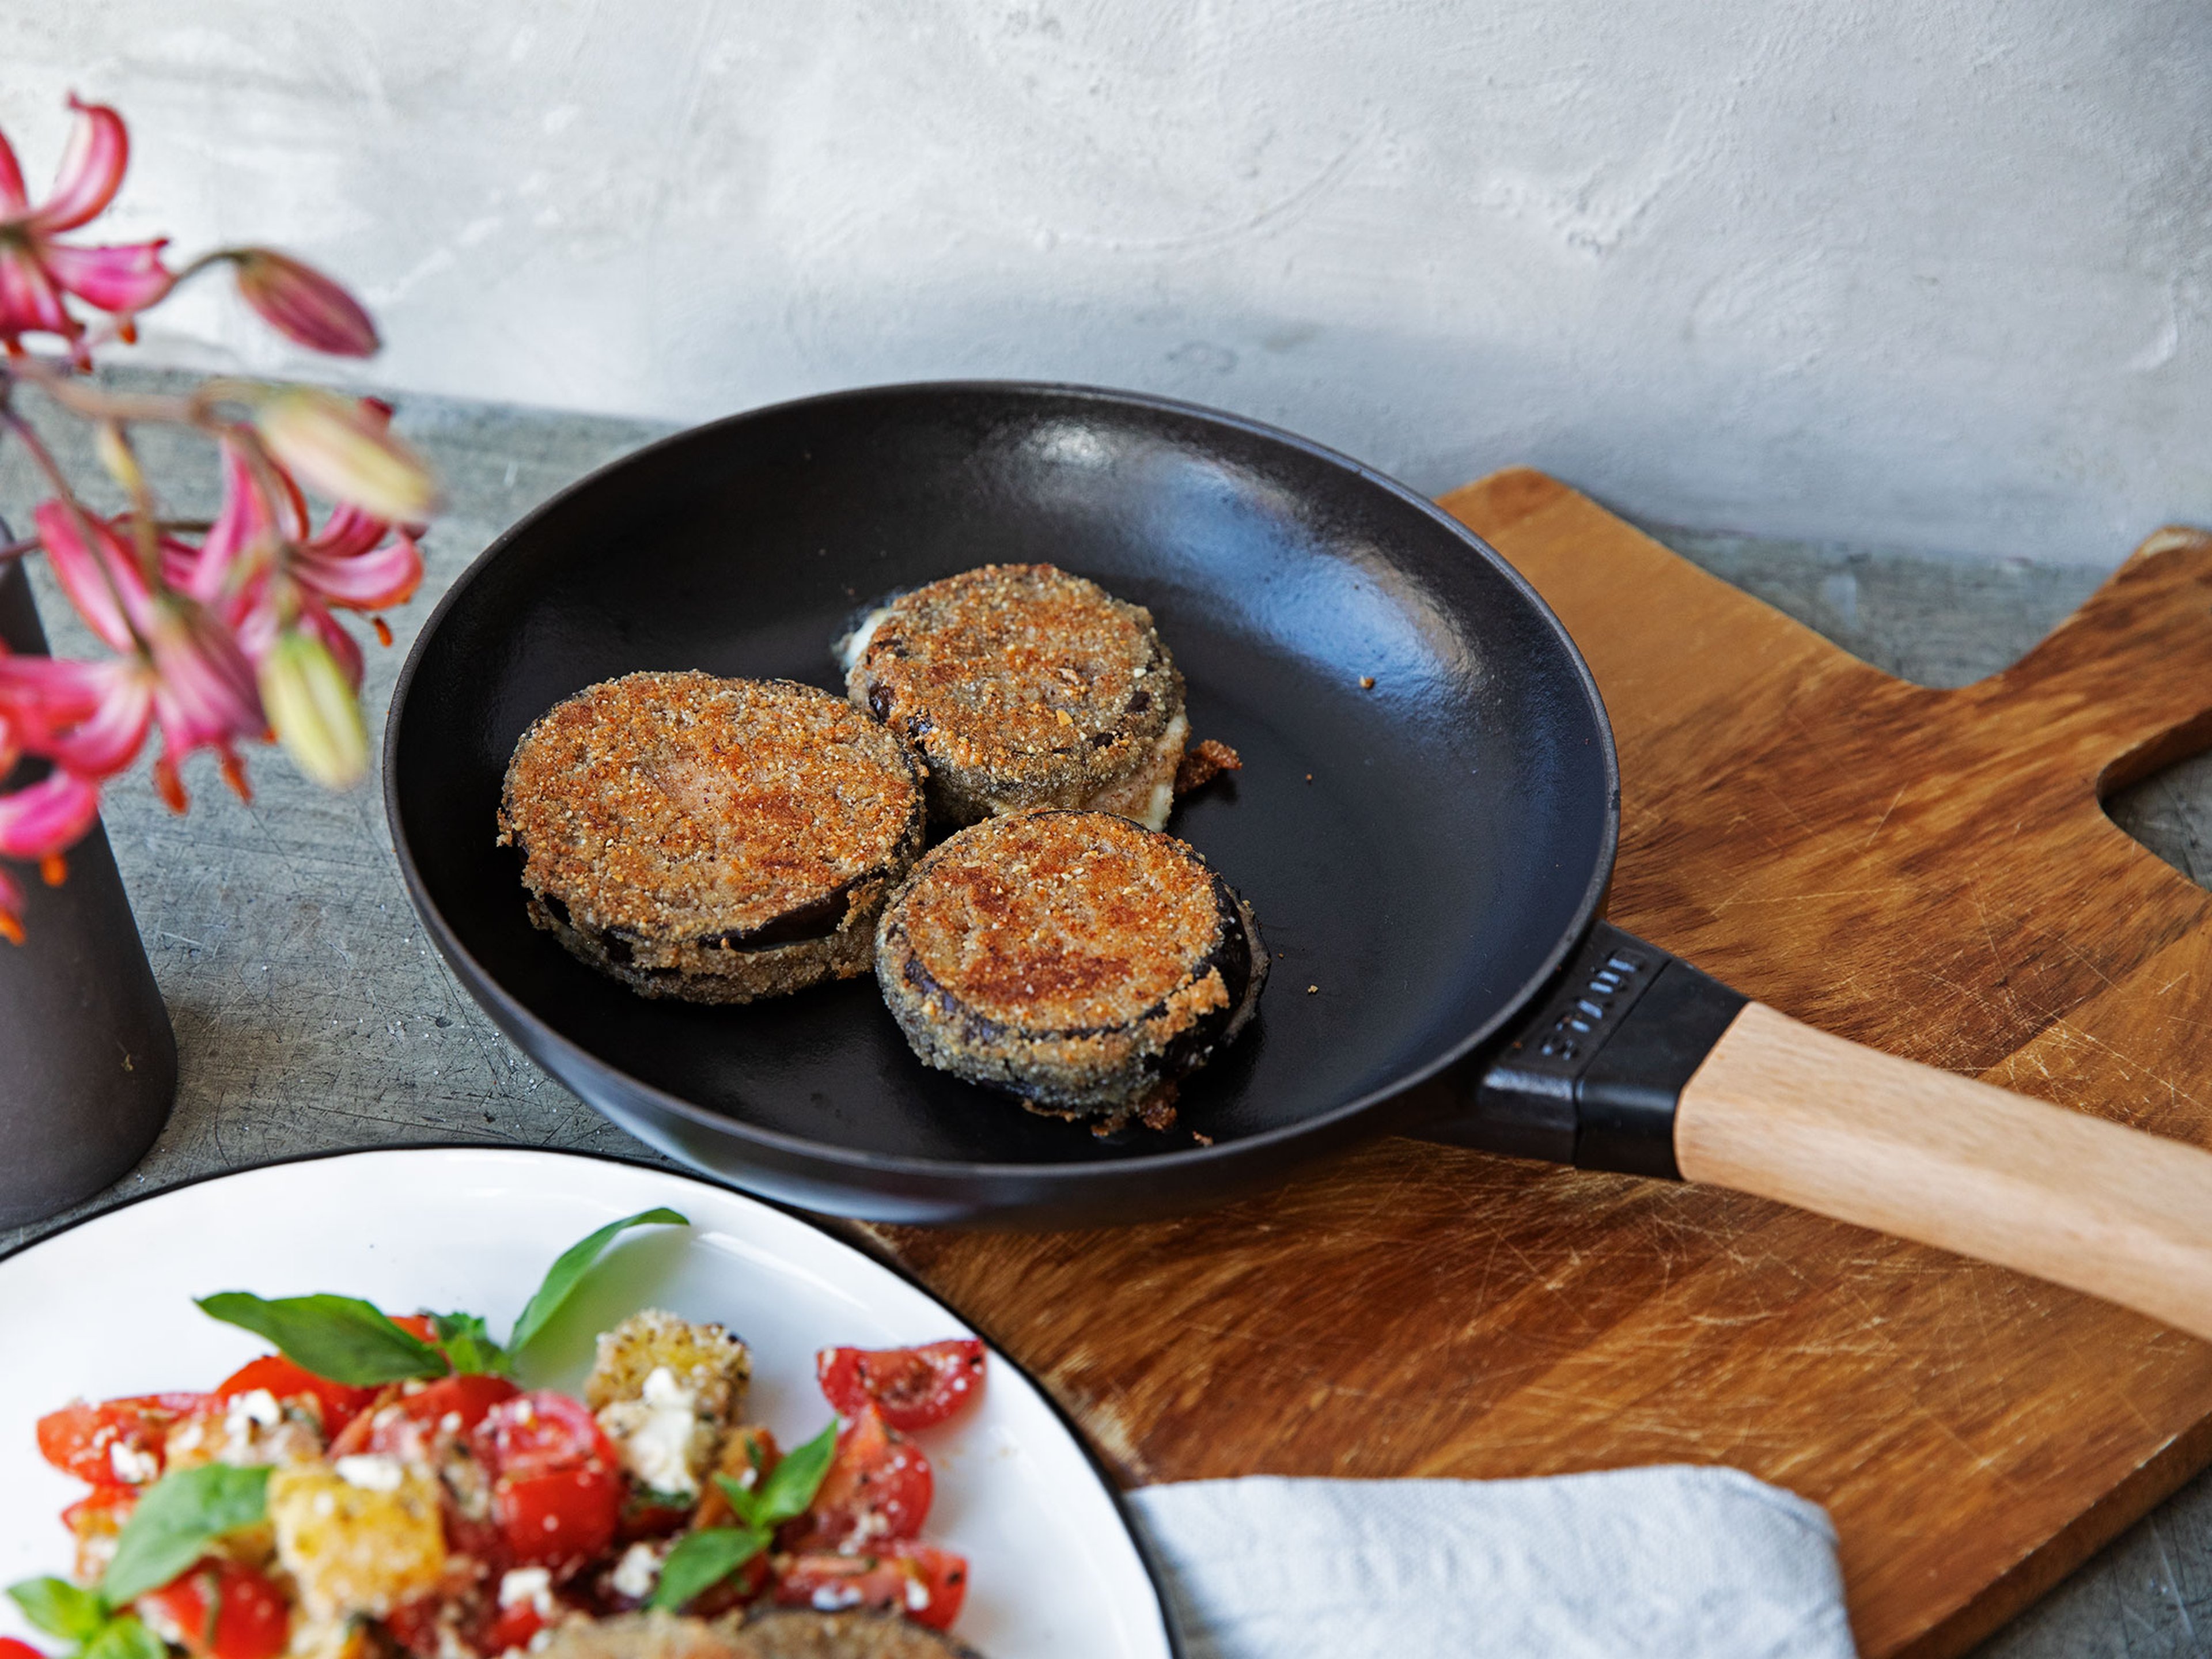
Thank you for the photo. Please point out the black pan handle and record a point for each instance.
(1592, 1076)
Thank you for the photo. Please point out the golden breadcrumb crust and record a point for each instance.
(1074, 958)
(1025, 686)
(708, 838)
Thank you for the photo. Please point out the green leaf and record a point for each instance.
(469, 1345)
(565, 1274)
(126, 1638)
(181, 1514)
(338, 1337)
(701, 1560)
(61, 1608)
(789, 1488)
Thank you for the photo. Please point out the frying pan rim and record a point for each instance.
(517, 1019)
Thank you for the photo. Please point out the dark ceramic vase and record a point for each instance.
(87, 1062)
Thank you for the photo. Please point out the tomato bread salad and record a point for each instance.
(384, 1488)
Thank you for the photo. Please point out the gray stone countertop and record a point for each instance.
(312, 1015)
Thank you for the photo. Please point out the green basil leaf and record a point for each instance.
(181, 1514)
(338, 1337)
(565, 1274)
(701, 1560)
(791, 1485)
(744, 1503)
(469, 1345)
(126, 1638)
(60, 1608)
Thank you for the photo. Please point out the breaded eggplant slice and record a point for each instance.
(714, 839)
(781, 1634)
(1075, 959)
(1025, 687)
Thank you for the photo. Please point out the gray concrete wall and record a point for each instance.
(1932, 276)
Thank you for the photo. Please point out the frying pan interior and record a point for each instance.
(1422, 852)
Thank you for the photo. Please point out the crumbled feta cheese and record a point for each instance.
(654, 1434)
(132, 1467)
(531, 1585)
(835, 1598)
(637, 1572)
(917, 1595)
(855, 645)
(256, 1406)
(370, 1471)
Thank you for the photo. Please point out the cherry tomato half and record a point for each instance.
(913, 1388)
(878, 1489)
(104, 1509)
(556, 1482)
(928, 1585)
(221, 1610)
(339, 1403)
(118, 1442)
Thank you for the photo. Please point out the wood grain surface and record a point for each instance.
(1928, 872)
(1827, 1125)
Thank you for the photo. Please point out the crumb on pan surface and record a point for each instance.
(711, 838)
(1025, 686)
(1074, 958)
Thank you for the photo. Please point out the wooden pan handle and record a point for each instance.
(1787, 1112)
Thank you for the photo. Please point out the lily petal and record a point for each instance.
(125, 277)
(387, 575)
(30, 303)
(206, 692)
(109, 741)
(48, 816)
(344, 649)
(246, 519)
(91, 171)
(45, 694)
(94, 580)
(14, 200)
(349, 533)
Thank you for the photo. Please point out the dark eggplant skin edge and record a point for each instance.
(1238, 953)
(810, 923)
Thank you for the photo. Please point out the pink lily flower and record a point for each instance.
(90, 717)
(41, 818)
(258, 563)
(40, 821)
(176, 658)
(36, 271)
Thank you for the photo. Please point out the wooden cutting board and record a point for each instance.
(1929, 872)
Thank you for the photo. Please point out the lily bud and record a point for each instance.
(303, 304)
(312, 707)
(344, 448)
(113, 445)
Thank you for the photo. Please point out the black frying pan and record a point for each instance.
(1430, 852)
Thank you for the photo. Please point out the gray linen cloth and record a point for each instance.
(1702, 1563)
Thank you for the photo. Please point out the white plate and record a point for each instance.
(105, 1309)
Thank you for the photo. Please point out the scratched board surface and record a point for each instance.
(1926, 870)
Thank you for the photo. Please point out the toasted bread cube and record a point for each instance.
(707, 1362)
(358, 1535)
(664, 1389)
